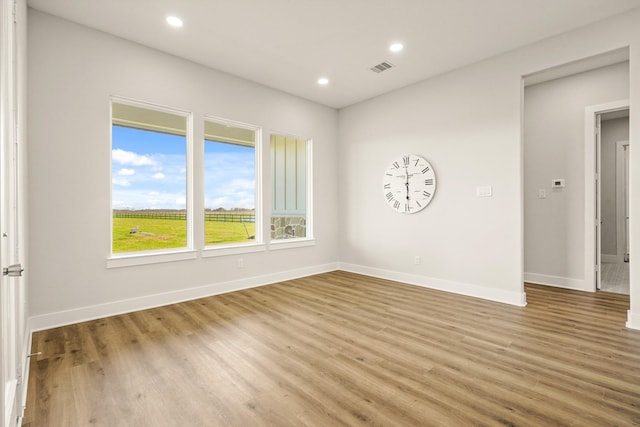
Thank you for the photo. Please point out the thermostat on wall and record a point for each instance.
(558, 183)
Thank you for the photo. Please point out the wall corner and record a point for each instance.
(633, 320)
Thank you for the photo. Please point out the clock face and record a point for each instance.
(409, 184)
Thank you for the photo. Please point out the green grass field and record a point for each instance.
(156, 234)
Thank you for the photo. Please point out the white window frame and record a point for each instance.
(262, 240)
(161, 255)
(308, 240)
(258, 244)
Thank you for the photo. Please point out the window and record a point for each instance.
(152, 188)
(291, 184)
(149, 178)
(230, 160)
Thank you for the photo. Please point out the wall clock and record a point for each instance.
(409, 184)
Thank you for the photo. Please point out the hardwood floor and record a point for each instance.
(340, 349)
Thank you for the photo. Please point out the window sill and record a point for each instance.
(290, 243)
(129, 260)
(144, 258)
(222, 250)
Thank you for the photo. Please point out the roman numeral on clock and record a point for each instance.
(396, 204)
(425, 170)
(426, 194)
(406, 160)
(428, 181)
(389, 196)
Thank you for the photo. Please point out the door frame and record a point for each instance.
(591, 195)
(622, 199)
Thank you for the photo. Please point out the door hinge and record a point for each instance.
(597, 268)
(14, 270)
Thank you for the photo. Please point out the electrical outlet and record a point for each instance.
(417, 260)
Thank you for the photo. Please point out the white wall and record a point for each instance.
(468, 124)
(554, 141)
(73, 71)
(613, 130)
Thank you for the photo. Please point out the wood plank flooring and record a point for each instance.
(340, 349)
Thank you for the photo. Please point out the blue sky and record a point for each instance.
(149, 172)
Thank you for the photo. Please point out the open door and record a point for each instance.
(612, 194)
(12, 290)
(624, 195)
(593, 188)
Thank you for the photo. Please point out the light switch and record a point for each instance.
(485, 191)
(542, 193)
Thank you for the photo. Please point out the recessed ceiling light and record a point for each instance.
(174, 21)
(396, 47)
(323, 81)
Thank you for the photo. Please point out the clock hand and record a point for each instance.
(406, 184)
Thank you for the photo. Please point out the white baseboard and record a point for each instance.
(633, 320)
(558, 282)
(15, 397)
(9, 404)
(26, 351)
(67, 317)
(497, 295)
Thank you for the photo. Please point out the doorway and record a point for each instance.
(599, 177)
(562, 222)
(613, 200)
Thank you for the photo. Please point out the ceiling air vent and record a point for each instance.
(383, 66)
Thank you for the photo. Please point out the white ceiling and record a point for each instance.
(289, 44)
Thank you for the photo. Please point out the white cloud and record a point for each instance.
(126, 172)
(130, 158)
(121, 182)
(158, 175)
(242, 184)
(165, 200)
